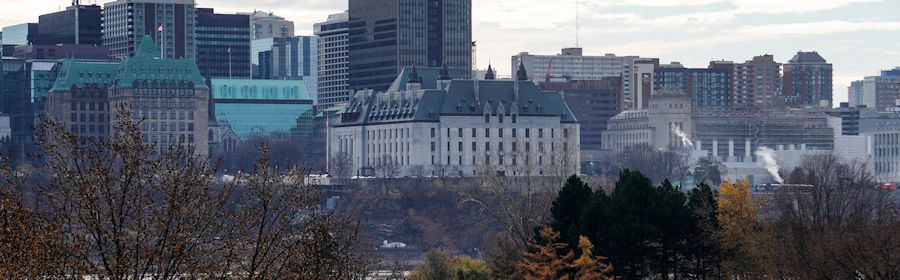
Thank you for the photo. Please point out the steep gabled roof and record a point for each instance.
(147, 65)
(80, 73)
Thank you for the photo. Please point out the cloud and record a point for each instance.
(819, 28)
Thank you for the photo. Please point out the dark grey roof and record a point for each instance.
(429, 78)
(460, 99)
(489, 75)
(808, 57)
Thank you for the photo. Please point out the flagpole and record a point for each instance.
(229, 63)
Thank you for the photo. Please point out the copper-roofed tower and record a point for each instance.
(489, 75)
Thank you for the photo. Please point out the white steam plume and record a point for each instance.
(766, 156)
(685, 141)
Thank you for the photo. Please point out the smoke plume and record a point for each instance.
(685, 141)
(766, 156)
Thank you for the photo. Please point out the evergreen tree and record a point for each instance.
(671, 220)
(703, 257)
(594, 220)
(630, 231)
(566, 210)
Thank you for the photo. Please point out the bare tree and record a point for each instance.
(119, 208)
(341, 166)
(129, 210)
(833, 223)
(658, 165)
(284, 235)
(387, 167)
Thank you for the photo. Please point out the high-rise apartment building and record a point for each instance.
(126, 22)
(223, 44)
(333, 53)
(757, 82)
(265, 25)
(387, 35)
(808, 81)
(708, 88)
(77, 24)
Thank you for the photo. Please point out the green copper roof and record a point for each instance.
(147, 65)
(144, 65)
(81, 73)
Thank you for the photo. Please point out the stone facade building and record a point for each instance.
(169, 97)
(427, 124)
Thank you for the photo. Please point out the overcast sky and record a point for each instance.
(860, 37)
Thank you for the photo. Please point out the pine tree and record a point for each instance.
(588, 267)
(567, 208)
(542, 261)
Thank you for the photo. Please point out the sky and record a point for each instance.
(860, 37)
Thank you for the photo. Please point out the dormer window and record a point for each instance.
(487, 118)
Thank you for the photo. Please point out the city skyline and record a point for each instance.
(854, 35)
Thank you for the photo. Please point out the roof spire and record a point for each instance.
(489, 75)
(414, 76)
(445, 73)
(521, 74)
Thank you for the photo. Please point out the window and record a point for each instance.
(500, 146)
(459, 132)
(515, 146)
(500, 118)
(566, 133)
(432, 132)
(515, 118)
(487, 118)
(474, 133)
(460, 146)
(487, 146)
(433, 147)
(527, 132)
(474, 147)
(487, 132)
(540, 133)
(527, 147)
(500, 131)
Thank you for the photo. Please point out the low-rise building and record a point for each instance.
(260, 107)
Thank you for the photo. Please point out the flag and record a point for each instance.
(229, 50)
(159, 29)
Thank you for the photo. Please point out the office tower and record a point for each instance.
(267, 25)
(23, 93)
(78, 24)
(855, 93)
(571, 63)
(332, 61)
(61, 51)
(881, 92)
(223, 44)
(757, 83)
(387, 35)
(594, 103)
(643, 83)
(287, 58)
(126, 22)
(708, 88)
(808, 81)
(21, 34)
